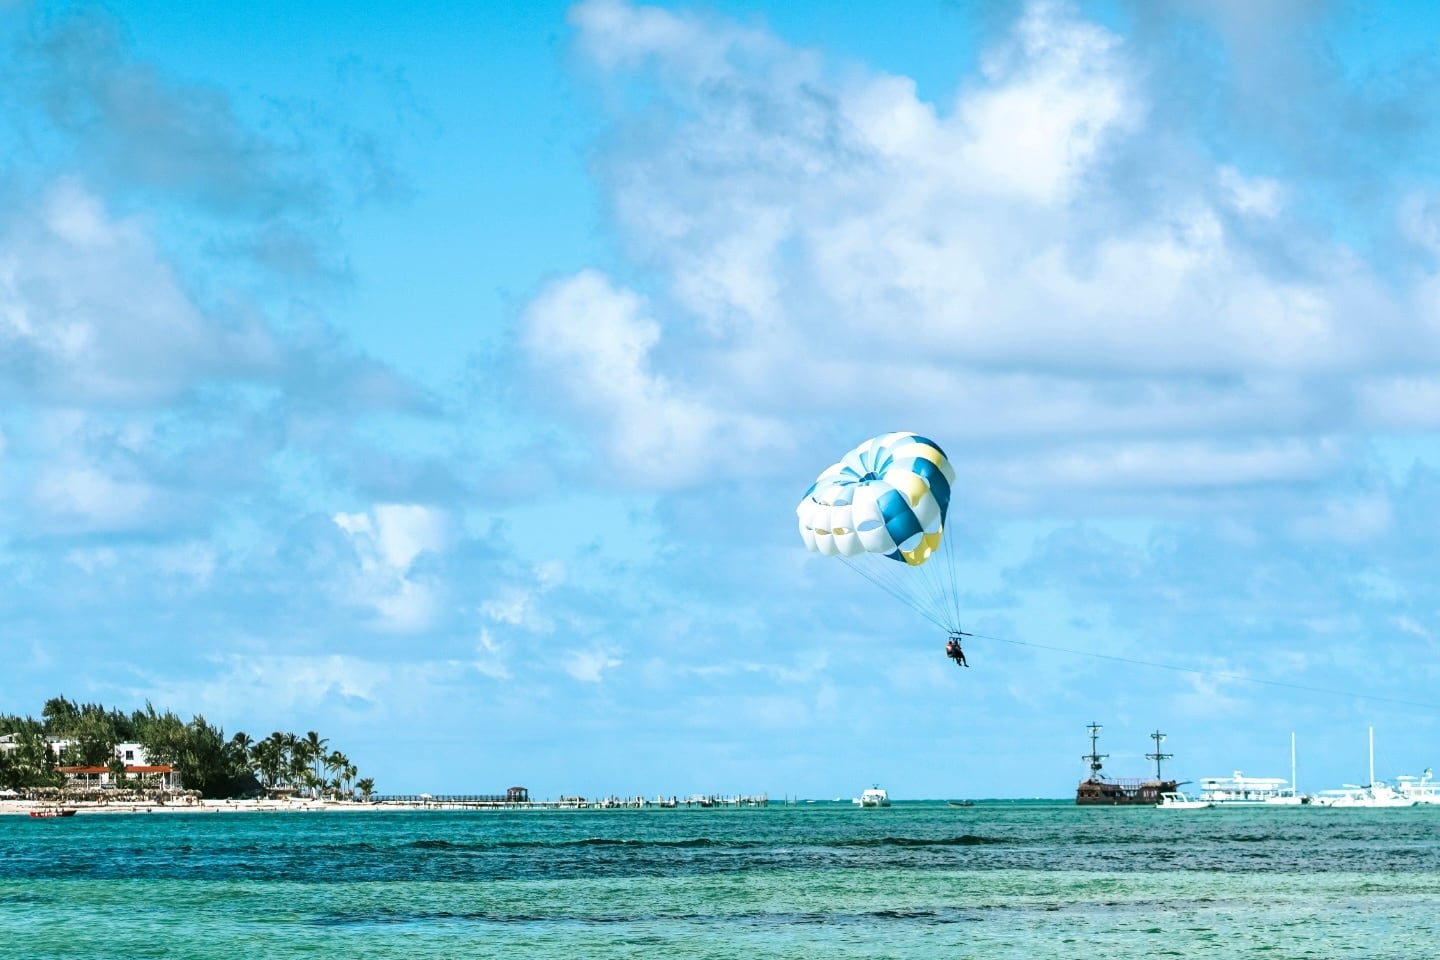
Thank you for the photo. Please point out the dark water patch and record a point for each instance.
(628, 843)
(686, 844)
(964, 840)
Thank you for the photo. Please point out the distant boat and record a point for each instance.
(48, 812)
(960, 803)
(873, 797)
(1239, 790)
(1421, 789)
(1100, 790)
(1176, 800)
(1374, 794)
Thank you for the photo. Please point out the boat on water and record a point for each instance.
(1238, 790)
(45, 813)
(960, 803)
(1376, 793)
(1420, 788)
(1100, 790)
(873, 797)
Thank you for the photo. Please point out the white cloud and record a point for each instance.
(589, 666)
(490, 657)
(1052, 97)
(1353, 521)
(291, 684)
(79, 290)
(837, 248)
(592, 342)
(387, 542)
(1254, 196)
(80, 497)
(1419, 218)
(1409, 626)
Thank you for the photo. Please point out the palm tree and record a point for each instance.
(265, 756)
(242, 744)
(298, 760)
(315, 748)
(301, 772)
(238, 754)
(366, 787)
(335, 763)
(277, 754)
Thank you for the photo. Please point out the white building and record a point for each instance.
(131, 754)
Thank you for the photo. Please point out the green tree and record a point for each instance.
(32, 763)
(336, 763)
(92, 735)
(196, 750)
(315, 750)
(59, 715)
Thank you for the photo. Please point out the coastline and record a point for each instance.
(23, 808)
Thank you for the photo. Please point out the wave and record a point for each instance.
(964, 840)
(438, 844)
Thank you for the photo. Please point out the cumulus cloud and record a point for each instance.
(828, 246)
(592, 341)
(134, 125)
(388, 541)
(80, 290)
(288, 685)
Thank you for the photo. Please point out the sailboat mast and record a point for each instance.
(1093, 756)
(1157, 756)
(1372, 756)
(1294, 787)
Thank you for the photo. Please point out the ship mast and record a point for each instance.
(1157, 756)
(1092, 756)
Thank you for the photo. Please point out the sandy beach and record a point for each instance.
(182, 806)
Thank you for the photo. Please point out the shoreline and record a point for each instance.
(23, 808)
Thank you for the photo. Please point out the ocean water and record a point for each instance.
(917, 880)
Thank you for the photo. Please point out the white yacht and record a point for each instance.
(1180, 801)
(1421, 788)
(1238, 790)
(1376, 794)
(873, 797)
(1373, 794)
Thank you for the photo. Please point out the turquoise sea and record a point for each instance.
(917, 880)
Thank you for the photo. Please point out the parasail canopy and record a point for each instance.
(887, 500)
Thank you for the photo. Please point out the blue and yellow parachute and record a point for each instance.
(888, 499)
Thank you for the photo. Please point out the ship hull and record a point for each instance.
(1121, 793)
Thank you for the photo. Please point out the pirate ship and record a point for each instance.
(1100, 790)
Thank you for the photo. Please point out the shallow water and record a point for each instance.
(920, 880)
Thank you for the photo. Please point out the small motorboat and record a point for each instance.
(873, 797)
(48, 812)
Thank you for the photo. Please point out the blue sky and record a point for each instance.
(446, 383)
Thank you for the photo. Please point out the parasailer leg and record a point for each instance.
(953, 650)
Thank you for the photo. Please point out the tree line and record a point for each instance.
(205, 760)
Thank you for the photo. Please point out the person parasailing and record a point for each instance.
(953, 649)
(886, 501)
